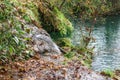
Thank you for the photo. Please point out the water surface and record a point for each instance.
(107, 44)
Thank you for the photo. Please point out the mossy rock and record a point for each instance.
(54, 20)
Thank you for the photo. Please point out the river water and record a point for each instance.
(107, 43)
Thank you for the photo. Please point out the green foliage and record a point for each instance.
(62, 24)
(54, 20)
(32, 11)
(85, 55)
(64, 42)
(70, 54)
(87, 9)
(108, 72)
(5, 10)
(26, 18)
(13, 45)
(86, 62)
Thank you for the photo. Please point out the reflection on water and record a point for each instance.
(107, 45)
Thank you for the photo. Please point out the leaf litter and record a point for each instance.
(48, 67)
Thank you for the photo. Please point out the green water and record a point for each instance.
(107, 44)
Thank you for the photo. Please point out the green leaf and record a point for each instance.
(16, 40)
(0, 47)
(11, 50)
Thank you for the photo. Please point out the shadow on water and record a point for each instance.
(107, 45)
(111, 30)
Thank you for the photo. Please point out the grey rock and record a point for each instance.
(42, 40)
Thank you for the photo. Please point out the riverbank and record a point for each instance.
(106, 34)
(27, 50)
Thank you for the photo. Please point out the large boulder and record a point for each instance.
(42, 41)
